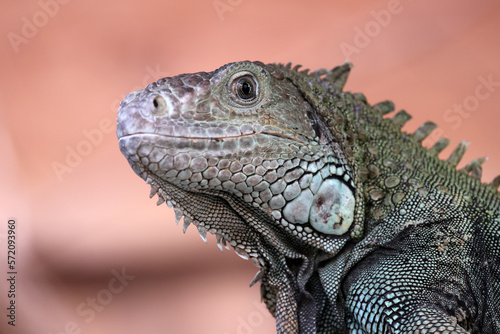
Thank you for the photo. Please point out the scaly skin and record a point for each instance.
(354, 225)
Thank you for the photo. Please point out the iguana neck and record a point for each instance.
(393, 173)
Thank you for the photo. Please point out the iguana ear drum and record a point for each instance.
(329, 211)
(332, 209)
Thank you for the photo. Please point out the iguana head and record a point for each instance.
(245, 136)
(243, 154)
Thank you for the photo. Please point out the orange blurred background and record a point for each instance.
(84, 217)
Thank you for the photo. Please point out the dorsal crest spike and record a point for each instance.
(401, 118)
(458, 153)
(384, 107)
(320, 72)
(424, 130)
(338, 75)
(296, 67)
(360, 97)
(495, 183)
(306, 71)
(474, 168)
(440, 145)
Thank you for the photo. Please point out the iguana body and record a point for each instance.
(354, 225)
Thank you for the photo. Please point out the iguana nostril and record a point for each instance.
(159, 106)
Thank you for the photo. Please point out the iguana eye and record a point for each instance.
(158, 106)
(245, 88)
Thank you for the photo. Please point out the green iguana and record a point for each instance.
(354, 225)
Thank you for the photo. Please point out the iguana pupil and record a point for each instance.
(159, 106)
(246, 88)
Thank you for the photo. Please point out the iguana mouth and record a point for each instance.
(276, 134)
(184, 137)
